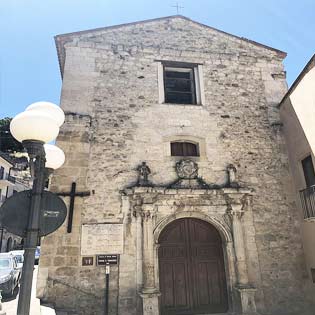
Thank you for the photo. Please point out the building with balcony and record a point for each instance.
(11, 181)
(297, 111)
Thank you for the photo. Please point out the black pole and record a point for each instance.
(106, 289)
(36, 151)
(71, 207)
(1, 240)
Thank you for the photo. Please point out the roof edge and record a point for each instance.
(6, 158)
(61, 38)
(309, 66)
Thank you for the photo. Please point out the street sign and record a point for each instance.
(15, 212)
(103, 260)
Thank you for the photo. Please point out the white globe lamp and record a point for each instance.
(54, 156)
(50, 108)
(34, 125)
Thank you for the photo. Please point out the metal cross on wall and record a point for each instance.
(72, 194)
(177, 6)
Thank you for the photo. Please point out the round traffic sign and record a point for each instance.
(15, 212)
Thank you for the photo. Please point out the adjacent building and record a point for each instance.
(11, 181)
(298, 117)
(175, 150)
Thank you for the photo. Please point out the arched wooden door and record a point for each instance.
(191, 269)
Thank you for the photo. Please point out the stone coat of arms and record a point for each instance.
(187, 169)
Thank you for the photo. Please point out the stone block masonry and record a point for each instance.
(115, 121)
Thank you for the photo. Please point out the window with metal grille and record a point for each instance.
(179, 85)
(184, 149)
(308, 170)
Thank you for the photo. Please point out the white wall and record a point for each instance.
(303, 102)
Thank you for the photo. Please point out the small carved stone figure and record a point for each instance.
(143, 174)
(232, 179)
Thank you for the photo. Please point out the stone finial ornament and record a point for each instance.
(143, 174)
(232, 179)
(187, 169)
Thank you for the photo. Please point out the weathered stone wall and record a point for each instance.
(112, 76)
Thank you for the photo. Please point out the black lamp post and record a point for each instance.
(38, 124)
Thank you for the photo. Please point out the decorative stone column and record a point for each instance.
(246, 291)
(239, 244)
(148, 252)
(150, 294)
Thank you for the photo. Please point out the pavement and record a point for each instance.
(9, 305)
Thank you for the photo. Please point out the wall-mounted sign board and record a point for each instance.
(87, 261)
(102, 239)
(103, 260)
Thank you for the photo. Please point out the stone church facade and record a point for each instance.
(172, 128)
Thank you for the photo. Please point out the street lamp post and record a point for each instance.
(34, 127)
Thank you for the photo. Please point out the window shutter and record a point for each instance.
(190, 149)
(177, 149)
(184, 149)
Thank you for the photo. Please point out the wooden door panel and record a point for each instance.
(166, 282)
(202, 283)
(192, 277)
(180, 285)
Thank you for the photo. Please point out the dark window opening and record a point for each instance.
(308, 170)
(184, 149)
(1, 172)
(179, 85)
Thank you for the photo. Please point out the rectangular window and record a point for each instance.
(179, 85)
(1, 172)
(308, 170)
(184, 149)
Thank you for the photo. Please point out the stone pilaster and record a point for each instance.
(244, 288)
(150, 294)
(148, 252)
(239, 244)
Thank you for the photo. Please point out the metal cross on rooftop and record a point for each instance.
(177, 6)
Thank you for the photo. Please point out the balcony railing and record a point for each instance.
(11, 179)
(307, 197)
(8, 178)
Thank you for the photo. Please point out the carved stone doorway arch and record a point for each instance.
(227, 209)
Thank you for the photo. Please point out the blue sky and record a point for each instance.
(29, 69)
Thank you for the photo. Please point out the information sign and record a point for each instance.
(103, 260)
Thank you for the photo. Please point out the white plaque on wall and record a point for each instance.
(97, 239)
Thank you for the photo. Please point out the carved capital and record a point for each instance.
(238, 204)
(148, 214)
(137, 206)
(236, 210)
